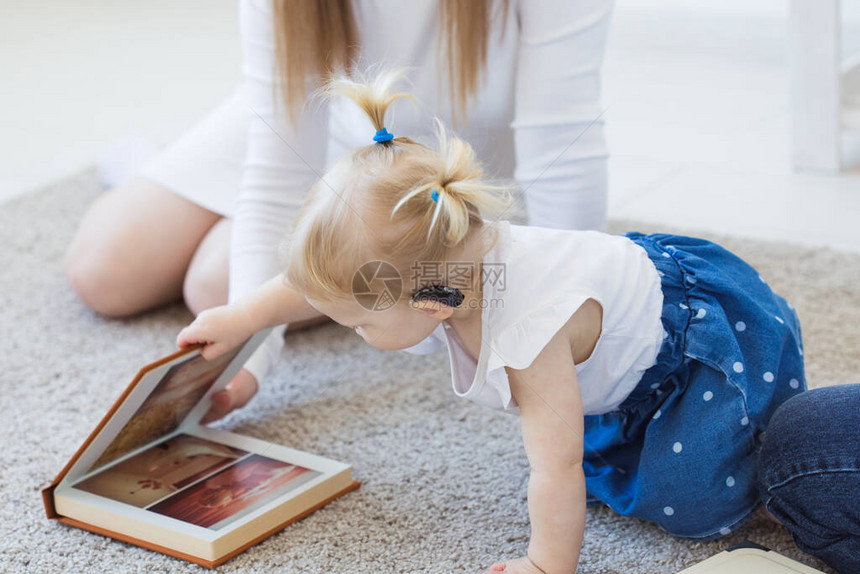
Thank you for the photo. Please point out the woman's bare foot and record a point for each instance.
(243, 387)
(238, 392)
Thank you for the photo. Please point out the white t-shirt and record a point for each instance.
(536, 118)
(547, 275)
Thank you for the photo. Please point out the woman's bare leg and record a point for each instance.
(208, 277)
(140, 246)
(133, 247)
(205, 286)
(207, 280)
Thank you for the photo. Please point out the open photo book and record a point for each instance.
(150, 474)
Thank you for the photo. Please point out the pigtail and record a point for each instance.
(456, 194)
(370, 93)
(463, 191)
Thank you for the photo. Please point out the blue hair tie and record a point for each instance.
(383, 135)
(435, 195)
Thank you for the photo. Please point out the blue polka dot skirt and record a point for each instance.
(681, 450)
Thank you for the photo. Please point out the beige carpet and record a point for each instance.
(444, 481)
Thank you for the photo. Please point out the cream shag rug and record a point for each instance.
(444, 481)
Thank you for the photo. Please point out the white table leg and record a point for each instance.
(815, 85)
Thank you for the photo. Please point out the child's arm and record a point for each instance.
(547, 393)
(222, 328)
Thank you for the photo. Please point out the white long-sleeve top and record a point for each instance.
(537, 119)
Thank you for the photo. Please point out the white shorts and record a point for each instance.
(204, 165)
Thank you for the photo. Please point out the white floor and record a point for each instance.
(698, 120)
(697, 105)
(76, 76)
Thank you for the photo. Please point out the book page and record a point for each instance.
(201, 484)
(197, 481)
(168, 394)
(166, 407)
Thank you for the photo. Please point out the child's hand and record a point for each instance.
(220, 329)
(522, 565)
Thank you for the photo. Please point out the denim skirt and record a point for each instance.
(681, 450)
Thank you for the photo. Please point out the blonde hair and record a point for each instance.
(398, 201)
(313, 38)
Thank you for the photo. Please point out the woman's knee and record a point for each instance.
(93, 262)
(804, 428)
(206, 282)
(91, 276)
(133, 246)
(810, 434)
(809, 471)
(816, 420)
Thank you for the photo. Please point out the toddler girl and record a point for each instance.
(643, 367)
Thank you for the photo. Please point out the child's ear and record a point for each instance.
(435, 309)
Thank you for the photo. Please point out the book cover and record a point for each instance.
(749, 558)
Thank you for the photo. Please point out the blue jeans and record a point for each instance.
(809, 473)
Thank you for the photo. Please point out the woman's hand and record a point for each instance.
(219, 329)
(519, 566)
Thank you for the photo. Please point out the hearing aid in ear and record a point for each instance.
(440, 294)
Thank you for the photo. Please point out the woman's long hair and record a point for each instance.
(318, 37)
